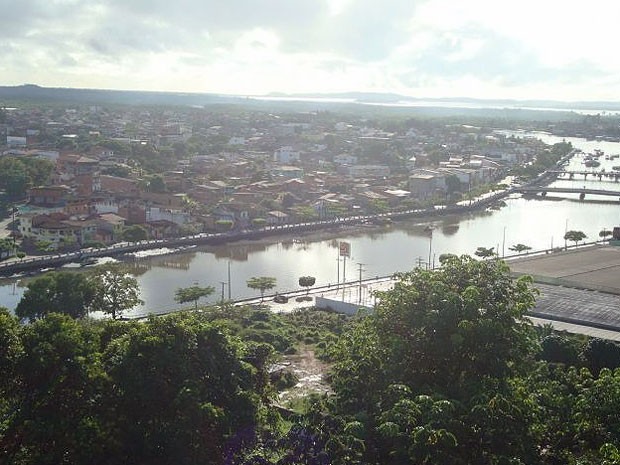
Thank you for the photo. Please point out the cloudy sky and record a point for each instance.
(540, 49)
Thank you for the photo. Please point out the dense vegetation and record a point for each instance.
(446, 371)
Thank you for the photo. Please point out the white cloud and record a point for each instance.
(477, 48)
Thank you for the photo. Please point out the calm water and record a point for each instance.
(539, 224)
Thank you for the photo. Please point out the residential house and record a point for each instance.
(276, 217)
(287, 172)
(286, 155)
(49, 196)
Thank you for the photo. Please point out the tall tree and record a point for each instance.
(262, 284)
(484, 252)
(56, 393)
(115, 290)
(59, 292)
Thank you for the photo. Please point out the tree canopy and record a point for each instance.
(58, 292)
(262, 284)
(574, 236)
(192, 294)
(115, 290)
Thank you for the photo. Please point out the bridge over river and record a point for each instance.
(544, 190)
(601, 175)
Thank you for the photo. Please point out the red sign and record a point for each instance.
(345, 249)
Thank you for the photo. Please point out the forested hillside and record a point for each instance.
(446, 371)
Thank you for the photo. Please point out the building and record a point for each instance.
(286, 155)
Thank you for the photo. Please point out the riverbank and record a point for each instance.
(15, 265)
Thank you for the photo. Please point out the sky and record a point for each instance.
(526, 49)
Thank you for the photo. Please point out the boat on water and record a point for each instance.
(592, 163)
(615, 168)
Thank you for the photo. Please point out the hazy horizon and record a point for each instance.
(418, 48)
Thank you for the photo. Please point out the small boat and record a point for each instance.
(615, 168)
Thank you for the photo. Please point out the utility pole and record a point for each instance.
(504, 242)
(361, 269)
(430, 247)
(419, 262)
(223, 283)
(229, 296)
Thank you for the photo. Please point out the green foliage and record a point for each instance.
(156, 184)
(574, 236)
(484, 252)
(115, 290)
(135, 233)
(600, 353)
(262, 284)
(192, 294)
(307, 281)
(58, 292)
(17, 175)
(519, 248)
(172, 389)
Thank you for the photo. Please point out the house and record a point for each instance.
(276, 217)
(287, 172)
(57, 229)
(162, 229)
(345, 159)
(286, 155)
(368, 171)
(110, 227)
(49, 196)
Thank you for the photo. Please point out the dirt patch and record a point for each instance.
(311, 374)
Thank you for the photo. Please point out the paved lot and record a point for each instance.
(596, 267)
(575, 306)
(578, 306)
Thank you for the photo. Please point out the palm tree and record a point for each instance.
(519, 248)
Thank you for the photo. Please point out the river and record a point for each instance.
(378, 251)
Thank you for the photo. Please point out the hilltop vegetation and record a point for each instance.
(446, 371)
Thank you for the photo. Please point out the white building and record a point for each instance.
(286, 155)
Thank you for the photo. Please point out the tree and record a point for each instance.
(519, 248)
(135, 233)
(192, 294)
(6, 248)
(603, 233)
(115, 290)
(574, 236)
(484, 252)
(430, 371)
(57, 391)
(156, 184)
(59, 292)
(262, 284)
(183, 392)
(307, 281)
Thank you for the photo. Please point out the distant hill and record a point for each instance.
(300, 102)
(101, 96)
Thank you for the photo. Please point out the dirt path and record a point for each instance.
(311, 374)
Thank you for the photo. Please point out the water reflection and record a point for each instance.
(537, 223)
